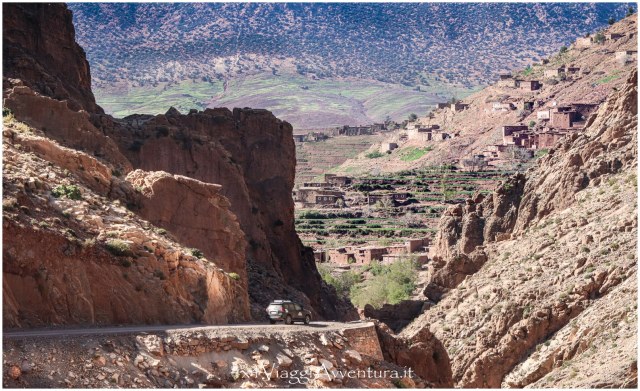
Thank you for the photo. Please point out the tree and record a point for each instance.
(563, 49)
(611, 20)
(413, 117)
(631, 11)
(598, 38)
(532, 124)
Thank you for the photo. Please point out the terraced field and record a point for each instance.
(384, 223)
(316, 158)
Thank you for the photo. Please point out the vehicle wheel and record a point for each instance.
(272, 321)
(288, 320)
(307, 319)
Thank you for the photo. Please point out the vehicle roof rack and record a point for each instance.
(282, 301)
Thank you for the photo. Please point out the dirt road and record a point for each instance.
(235, 328)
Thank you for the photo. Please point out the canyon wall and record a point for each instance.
(523, 275)
(192, 210)
(251, 154)
(39, 47)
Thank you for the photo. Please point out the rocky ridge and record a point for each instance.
(523, 277)
(153, 174)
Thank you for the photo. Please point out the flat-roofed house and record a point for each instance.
(529, 85)
(584, 42)
(625, 56)
(555, 72)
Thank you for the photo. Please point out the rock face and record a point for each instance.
(225, 357)
(395, 316)
(70, 128)
(422, 352)
(196, 213)
(252, 155)
(463, 231)
(214, 184)
(551, 259)
(39, 48)
(73, 255)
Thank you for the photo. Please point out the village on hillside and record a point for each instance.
(382, 203)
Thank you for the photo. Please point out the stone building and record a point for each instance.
(337, 180)
(317, 196)
(529, 85)
(625, 56)
(388, 147)
(584, 42)
(459, 106)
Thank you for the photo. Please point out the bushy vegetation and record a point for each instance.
(196, 253)
(68, 191)
(234, 276)
(342, 283)
(118, 247)
(374, 155)
(390, 284)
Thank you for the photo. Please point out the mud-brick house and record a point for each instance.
(442, 105)
(365, 255)
(543, 115)
(459, 106)
(317, 196)
(555, 72)
(497, 106)
(529, 85)
(584, 42)
(548, 139)
(613, 36)
(625, 56)
(506, 80)
(509, 130)
(320, 256)
(336, 180)
(496, 151)
(563, 117)
(299, 138)
(343, 255)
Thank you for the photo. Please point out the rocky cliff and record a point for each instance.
(536, 283)
(180, 215)
(232, 148)
(39, 47)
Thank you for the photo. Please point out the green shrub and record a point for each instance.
(598, 38)
(342, 283)
(68, 191)
(234, 276)
(196, 253)
(390, 285)
(374, 155)
(118, 247)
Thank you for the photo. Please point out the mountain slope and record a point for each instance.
(137, 48)
(536, 283)
(479, 126)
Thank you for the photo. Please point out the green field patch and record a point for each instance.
(413, 153)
